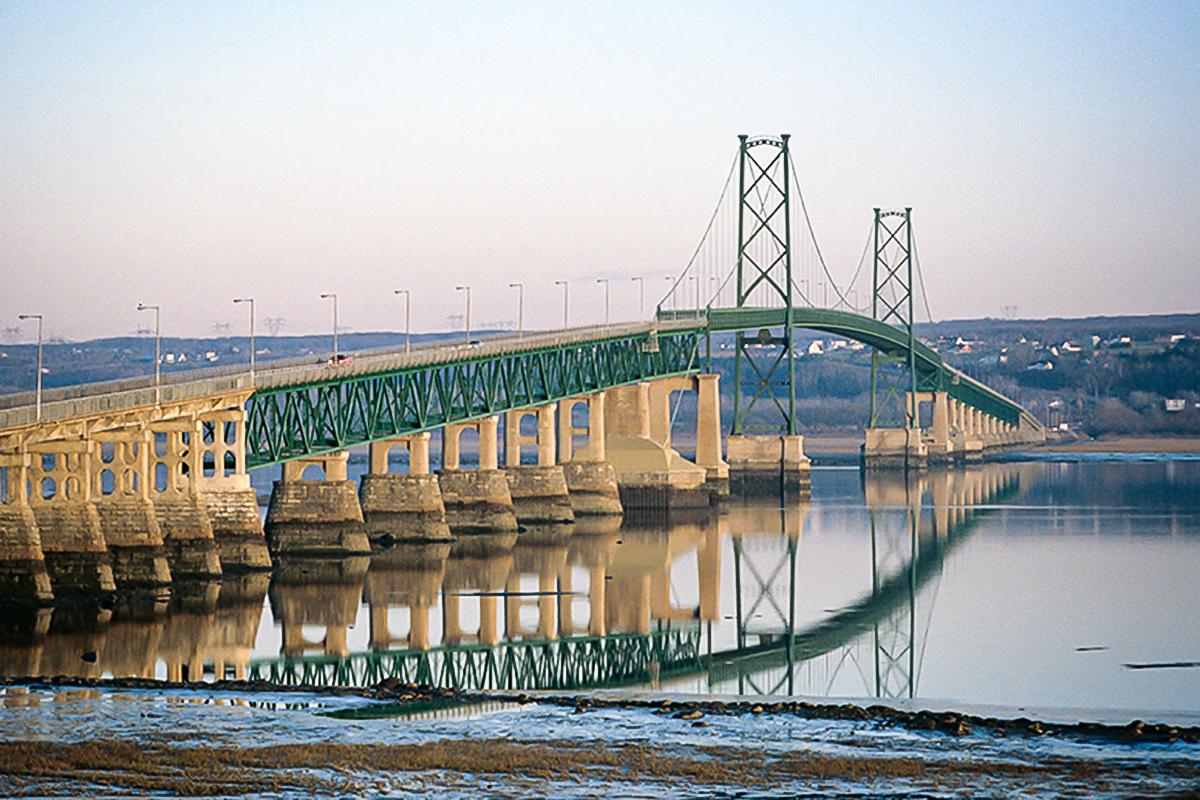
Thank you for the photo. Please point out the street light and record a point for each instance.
(407, 318)
(249, 300)
(696, 283)
(565, 299)
(605, 282)
(466, 289)
(641, 298)
(157, 351)
(38, 317)
(520, 287)
(671, 300)
(333, 296)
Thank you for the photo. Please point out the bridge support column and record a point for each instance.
(316, 517)
(967, 447)
(186, 529)
(894, 448)
(403, 508)
(758, 462)
(650, 474)
(77, 558)
(476, 501)
(940, 446)
(539, 493)
(591, 481)
(708, 433)
(121, 474)
(224, 485)
(23, 573)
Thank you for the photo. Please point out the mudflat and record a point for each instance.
(1128, 444)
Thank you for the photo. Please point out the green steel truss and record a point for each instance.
(933, 373)
(764, 277)
(574, 662)
(893, 375)
(290, 422)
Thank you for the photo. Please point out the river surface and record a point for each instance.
(1023, 584)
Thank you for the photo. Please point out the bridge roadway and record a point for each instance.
(300, 407)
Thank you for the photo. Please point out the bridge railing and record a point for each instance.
(110, 396)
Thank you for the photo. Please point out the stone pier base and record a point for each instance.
(22, 566)
(539, 494)
(187, 536)
(77, 558)
(593, 488)
(765, 462)
(237, 529)
(477, 501)
(403, 508)
(315, 518)
(894, 448)
(134, 540)
(967, 450)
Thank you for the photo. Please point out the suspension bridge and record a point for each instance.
(137, 482)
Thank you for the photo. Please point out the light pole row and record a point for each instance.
(520, 287)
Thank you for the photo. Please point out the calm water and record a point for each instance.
(1012, 583)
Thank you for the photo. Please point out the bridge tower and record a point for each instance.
(764, 279)
(893, 377)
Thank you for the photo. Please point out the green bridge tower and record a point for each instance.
(764, 279)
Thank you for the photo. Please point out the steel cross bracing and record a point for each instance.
(893, 375)
(293, 421)
(764, 277)
(576, 662)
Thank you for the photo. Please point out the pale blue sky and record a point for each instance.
(188, 153)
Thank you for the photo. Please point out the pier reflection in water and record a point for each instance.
(767, 595)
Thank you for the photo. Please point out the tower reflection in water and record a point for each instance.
(766, 595)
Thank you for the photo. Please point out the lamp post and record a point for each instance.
(605, 282)
(333, 296)
(466, 289)
(520, 287)
(38, 317)
(565, 300)
(641, 298)
(407, 318)
(157, 351)
(671, 281)
(696, 284)
(249, 300)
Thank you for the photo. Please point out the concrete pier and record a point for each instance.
(539, 492)
(768, 463)
(478, 500)
(894, 448)
(403, 508)
(591, 481)
(76, 556)
(237, 529)
(23, 573)
(224, 490)
(176, 459)
(650, 474)
(316, 517)
(127, 520)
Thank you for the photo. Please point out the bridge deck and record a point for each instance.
(89, 399)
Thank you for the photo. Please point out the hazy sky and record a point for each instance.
(188, 153)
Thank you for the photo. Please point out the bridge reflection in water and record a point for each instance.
(763, 597)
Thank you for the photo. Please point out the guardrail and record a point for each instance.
(111, 396)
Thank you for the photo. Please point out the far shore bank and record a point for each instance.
(840, 445)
